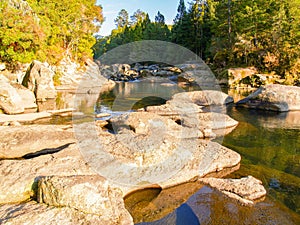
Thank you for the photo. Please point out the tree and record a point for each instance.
(21, 37)
(137, 17)
(159, 18)
(122, 19)
(68, 27)
(181, 11)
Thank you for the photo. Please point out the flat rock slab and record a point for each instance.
(41, 214)
(31, 117)
(88, 194)
(246, 190)
(136, 160)
(20, 177)
(273, 97)
(19, 141)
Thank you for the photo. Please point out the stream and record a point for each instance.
(268, 142)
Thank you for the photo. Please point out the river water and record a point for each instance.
(268, 142)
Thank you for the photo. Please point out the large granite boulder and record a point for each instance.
(86, 80)
(88, 194)
(196, 72)
(27, 141)
(39, 79)
(273, 97)
(10, 100)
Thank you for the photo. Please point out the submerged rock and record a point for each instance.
(273, 97)
(246, 190)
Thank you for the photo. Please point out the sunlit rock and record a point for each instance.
(273, 97)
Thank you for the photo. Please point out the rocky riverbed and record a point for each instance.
(80, 173)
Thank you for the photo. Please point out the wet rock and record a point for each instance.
(39, 80)
(101, 115)
(41, 214)
(187, 77)
(246, 190)
(172, 69)
(88, 194)
(19, 141)
(163, 73)
(10, 100)
(273, 97)
(21, 176)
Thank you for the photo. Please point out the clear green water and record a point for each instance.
(270, 147)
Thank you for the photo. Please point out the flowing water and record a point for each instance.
(268, 142)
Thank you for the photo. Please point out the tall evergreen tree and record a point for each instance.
(159, 18)
(181, 11)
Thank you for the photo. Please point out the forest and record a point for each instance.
(47, 30)
(225, 33)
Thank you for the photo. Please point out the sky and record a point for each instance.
(111, 8)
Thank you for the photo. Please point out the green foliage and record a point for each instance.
(20, 35)
(122, 19)
(48, 30)
(261, 33)
(226, 33)
(139, 28)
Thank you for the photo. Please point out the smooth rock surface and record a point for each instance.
(41, 214)
(151, 155)
(273, 97)
(10, 100)
(88, 194)
(203, 98)
(246, 190)
(28, 98)
(30, 117)
(21, 176)
(39, 80)
(19, 141)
